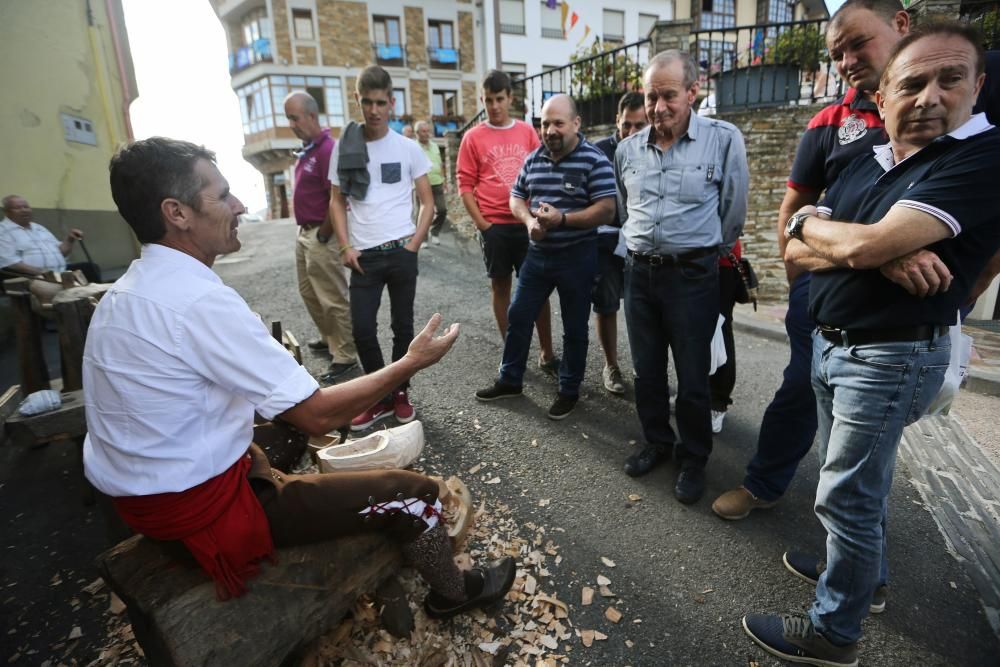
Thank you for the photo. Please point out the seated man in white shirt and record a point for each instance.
(28, 248)
(175, 366)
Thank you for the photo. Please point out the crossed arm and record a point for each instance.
(894, 245)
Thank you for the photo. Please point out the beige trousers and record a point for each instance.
(324, 289)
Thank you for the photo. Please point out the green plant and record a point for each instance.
(802, 46)
(596, 71)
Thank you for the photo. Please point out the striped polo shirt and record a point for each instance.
(572, 184)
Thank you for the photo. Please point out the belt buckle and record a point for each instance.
(655, 260)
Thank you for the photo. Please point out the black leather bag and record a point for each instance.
(746, 286)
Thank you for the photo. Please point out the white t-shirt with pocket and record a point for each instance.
(386, 212)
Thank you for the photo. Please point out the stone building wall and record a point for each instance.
(416, 41)
(420, 101)
(282, 43)
(466, 42)
(470, 99)
(305, 55)
(343, 33)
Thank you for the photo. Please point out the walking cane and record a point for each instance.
(83, 247)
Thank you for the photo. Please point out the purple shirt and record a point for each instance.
(311, 195)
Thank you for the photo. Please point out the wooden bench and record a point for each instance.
(178, 621)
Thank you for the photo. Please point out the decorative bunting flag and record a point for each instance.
(573, 19)
(551, 4)
(585, 33)
(564, 7)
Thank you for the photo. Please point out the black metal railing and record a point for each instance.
(772, 64)
(392, 55)
(512, 28)
(985, 14)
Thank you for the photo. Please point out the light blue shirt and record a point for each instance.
(692, 195)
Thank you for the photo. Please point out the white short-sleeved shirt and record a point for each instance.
(386, 212)
(174, 366)
(34, 245)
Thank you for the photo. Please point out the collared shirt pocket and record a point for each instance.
(697, 181)
(392, 172)
(632, 179)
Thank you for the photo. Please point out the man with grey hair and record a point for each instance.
(437, 178)
(28, 248)
(682, 193)
(321, 272)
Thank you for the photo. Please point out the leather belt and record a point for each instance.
(310, 225)
(670, 260)
(894, 335)
(389, 245)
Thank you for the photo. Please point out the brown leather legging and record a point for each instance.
(310, 508)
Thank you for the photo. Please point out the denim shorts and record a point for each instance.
(504, 247)
(608, 289)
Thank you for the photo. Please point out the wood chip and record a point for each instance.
(612, 614)
(116, 606)
(94, 586)
(634, 497)
(544, 502)
(476, 468)
(495, 480)
(75, 633)
(529, 585)
(599, 636)
(606, 592)
(587, 596)
(629, 643)
(490, 647)
(603, 581)
(587, 637)
(607, 561)
(548, 641)
(382, 646)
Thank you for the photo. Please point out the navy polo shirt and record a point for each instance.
(572, 184)
(953, 179)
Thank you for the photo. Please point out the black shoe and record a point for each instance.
(318, 345)
(337, 370)
(492, 583)
(562, 406)
(651, 456)
(808, 568)
(497, 391)
(792, 637)
(690, 486)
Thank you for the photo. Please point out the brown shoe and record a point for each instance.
(737, 504)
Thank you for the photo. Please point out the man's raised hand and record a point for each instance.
(426, 350)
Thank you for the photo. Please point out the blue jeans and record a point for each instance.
(675, 306)
(395, 270)
(865, 396)
(571, 272)
(788, 426)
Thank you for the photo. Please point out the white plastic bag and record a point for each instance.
(719, 357)
(958, 368)
(39, 402)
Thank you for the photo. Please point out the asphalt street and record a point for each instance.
(683, 577)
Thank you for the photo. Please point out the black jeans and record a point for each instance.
(673, 306)
(724, 379)
(397, 270)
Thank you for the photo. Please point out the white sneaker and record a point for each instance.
(425, 245)
(437, 240)
(717, 418)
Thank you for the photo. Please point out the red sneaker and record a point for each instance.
(373, 414)
(402, 406)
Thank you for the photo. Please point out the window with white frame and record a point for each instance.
(514, 70)
(302, 23)
(512, 17)
(400, 108)
(444, 103)
(552, 25)
(718, 14)
(614, 25)
(261, 101)
(646, 23)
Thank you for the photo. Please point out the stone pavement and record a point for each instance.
(957, 481)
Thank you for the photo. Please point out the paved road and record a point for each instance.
(686, 574)
(666, 554)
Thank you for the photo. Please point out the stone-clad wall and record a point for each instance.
(343, 33)
(771, 137)
(282, 43)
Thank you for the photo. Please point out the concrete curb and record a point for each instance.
(979, 380)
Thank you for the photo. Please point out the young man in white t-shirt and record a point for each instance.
(376, 169)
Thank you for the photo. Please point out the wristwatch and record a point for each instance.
(793, 228)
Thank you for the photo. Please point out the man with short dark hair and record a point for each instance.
(631, 118)
(28, 248)
(437, 177)
(880, 351)
(489, 159)
(321, 273)
(375, 170)
(564, 192)
(174, 368)
(682, 190)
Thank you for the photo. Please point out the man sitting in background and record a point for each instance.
(28, 248)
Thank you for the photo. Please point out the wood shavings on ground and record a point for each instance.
(530, 628)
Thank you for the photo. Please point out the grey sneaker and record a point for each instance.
(550, 367)
(613, 381)
(808, 568)
(792, 637)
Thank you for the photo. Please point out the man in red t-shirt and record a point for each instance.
(489, 160)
